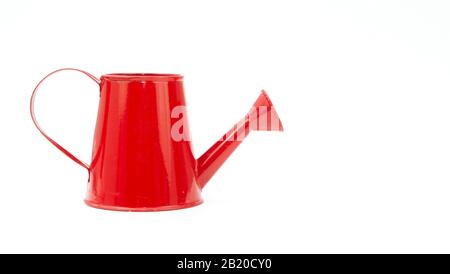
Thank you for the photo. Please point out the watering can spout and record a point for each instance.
(261, 117)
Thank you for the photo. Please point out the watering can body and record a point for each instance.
(136, 163)
(142, 157)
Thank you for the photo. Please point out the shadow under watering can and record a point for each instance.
(142, 156)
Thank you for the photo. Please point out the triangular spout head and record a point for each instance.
(261, 117)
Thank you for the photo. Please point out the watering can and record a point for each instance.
(142, 156)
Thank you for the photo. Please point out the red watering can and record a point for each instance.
(142, 156)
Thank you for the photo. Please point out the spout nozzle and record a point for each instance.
(263, 116)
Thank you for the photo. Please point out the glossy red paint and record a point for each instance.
(137, 163)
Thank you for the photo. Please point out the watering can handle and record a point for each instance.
(33, 116)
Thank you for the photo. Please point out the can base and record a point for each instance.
(143, 209)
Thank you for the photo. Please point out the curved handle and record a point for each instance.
(33, 116)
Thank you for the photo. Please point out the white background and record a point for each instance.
(362, 88)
